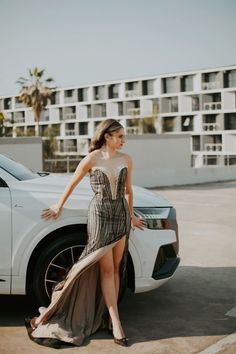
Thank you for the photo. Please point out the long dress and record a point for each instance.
(77, 308)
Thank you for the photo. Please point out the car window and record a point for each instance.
(16, 169)
(3, 183)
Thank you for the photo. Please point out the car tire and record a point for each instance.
(59, 251)
(61, 248)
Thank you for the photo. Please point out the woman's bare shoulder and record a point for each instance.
(93, 156)
(127, 157)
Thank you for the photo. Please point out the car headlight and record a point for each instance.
(156, 218)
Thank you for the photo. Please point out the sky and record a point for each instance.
(81, 42)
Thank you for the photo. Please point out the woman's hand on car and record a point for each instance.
(53, 212)
(138, 222)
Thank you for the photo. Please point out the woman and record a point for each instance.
(91, 288)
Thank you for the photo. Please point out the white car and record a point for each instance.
(35, 254)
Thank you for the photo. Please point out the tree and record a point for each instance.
(1, 123)
(50, 144)
(36, 92)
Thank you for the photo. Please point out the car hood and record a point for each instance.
(54, 183)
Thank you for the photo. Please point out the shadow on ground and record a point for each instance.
(193, 303)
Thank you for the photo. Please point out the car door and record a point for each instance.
(5, 237)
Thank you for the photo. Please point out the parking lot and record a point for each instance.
(193, 312)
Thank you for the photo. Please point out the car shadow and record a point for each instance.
(192, 303)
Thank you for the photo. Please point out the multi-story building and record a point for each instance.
(200, 102)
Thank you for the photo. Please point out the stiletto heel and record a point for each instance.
(121, 341)
(31, 322)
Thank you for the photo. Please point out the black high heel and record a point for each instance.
(30, 322)
(121, 341)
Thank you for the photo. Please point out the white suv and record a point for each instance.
(35, 254)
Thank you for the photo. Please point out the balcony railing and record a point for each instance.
(132, 93)
(210, 85)
(132, 130)
(133, 111)
(211, 126)
(19, 120)
(213, 147)
(44, 119)
(69, 116)
(208, 106)
(71, 99)
(70, 132)
(68, 148)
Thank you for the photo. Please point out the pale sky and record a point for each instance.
(87, 41)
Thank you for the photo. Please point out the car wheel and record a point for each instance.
(54, 263)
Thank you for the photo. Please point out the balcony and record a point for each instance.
(213, 147)
(210, 106)
(210, 126)
(44, 119)
(19, 120)
(132, 130)
(133, 111)
(69, 149)
(69, 116)
(70, 132)
(132, 93)
(211, 85)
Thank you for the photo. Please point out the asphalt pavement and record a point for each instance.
(194, 312)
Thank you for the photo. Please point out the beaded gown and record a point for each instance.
(77, 308)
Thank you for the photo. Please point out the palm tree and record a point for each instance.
(1, 124)
(35, 92)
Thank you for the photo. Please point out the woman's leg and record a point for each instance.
(109, 291)
(118, 251)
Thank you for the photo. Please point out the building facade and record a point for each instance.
(201, 103)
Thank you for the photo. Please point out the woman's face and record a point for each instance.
(117, 139)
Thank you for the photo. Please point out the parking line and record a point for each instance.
(220, 345)
(231, 312)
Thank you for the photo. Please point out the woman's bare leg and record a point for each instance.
(118, 252)
(109, 291)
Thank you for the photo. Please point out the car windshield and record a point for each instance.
(16, 169)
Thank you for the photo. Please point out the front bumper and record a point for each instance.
(158, 260)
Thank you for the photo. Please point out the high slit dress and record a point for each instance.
(77, 308)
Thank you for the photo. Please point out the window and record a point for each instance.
(230, 121)
(196, 143)
(83, 94)
(169, 84)
(113, 91)
(83, 128)
(16, 169)
(120, 109)
(187, 123)
(69, 93)
(210, 160)
(7, 103)
(168, 124)
(148, 87)
(186, 83)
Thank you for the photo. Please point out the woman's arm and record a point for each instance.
(128, 186)
(129, 197)
(81, 170)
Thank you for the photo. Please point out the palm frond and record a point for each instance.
(30, 73)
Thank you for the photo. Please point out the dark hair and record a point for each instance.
(106, 126)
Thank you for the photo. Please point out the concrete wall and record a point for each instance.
(165, 160)
(26, 150)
